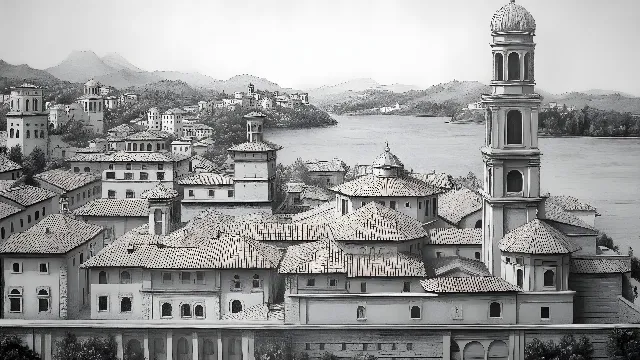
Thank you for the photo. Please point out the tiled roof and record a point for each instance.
(7, 184)
(372, 185)
(114, 207)
(27, 195)
(375, 222)
(513, 17)
(255, 114)
(174, 111)
(275, 231)
(316, 193)
(84, 157)
(322, 214)
(454, 205)
(455, 236)
(7, 210)
(600, 266)
(295, 187)
(122, 128)
(205, 178)
(569, 203)
(55, 234)
(255, 146)
(329, 257)
(444, 265)
(438, 180)
(8, 165)
(335, 165)
(387, 160)
(123, 156)
(556, 213)
(205, 165)
(537, 237)
(144, 135)
(190, 248)
(470, 284)
(159, 192)
(66, 179)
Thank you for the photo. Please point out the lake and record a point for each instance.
(604, 172)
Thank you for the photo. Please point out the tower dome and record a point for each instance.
(513, 18)
(387, 164)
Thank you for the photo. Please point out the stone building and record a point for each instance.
(92, 104)
(27, 120)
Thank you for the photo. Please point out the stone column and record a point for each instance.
(522, 69)
(245, 346)
(219, 345)
(446, 347)
(195, 352)
(169, 349)
(505, 65)
(37, 344)
(48, 355)
(120, 347)
(145, 345)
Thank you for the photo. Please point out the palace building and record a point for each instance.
(395, 265)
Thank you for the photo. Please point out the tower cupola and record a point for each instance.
(387, 164)
(255, 122)
(92, 87)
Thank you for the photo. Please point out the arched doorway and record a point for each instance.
(498, 350)
(513, 66)
(133, 351)
(454, 350)
(473, 351)
(183, 350)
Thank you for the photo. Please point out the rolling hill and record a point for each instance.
(23, 72)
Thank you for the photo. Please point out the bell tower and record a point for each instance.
(510, 154)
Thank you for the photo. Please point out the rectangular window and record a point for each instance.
(311, 282)
(230, 193)
(426, 208)
(407, 204)
(15, 300)
(160, 175)
(16, 268)
(363, 287)
(438, 254)
(186, 277)
(544, 313)
(321, 346)
(191, 193)
(333, 282)
(392, 204)
(128, 167)
(43, 268)
(128, 176)
(111, 194)
(44, 299)
(406, 286)
(103, 303)
(200, 277)
(160, 166)
(419, 204)
(434, 210)
(409, 346)
(212, 193)
(166, 278)
(111, 175)
(144, 176)
(344, 206)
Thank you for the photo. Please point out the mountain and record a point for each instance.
(23, 72)
(116, 61)
(80, 66)
(599, 92)
(240, 83)
(614, 101)
(332, 94)
(193, 79)
(124, 78)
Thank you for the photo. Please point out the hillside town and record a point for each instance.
(142, 237)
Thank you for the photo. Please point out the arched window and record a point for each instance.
(514, 181)
(35, 134)
(28, 134)
(527, 64)
(37, 214)
(149, 147)
(43, 300)
(134, 350)
(549, 278)
(498, 350)
(236, 306)
(12, 230)
(415, 312)
(513, 66)
(198, 311)
(478, 224)
(208, 347)
(102, 277)
(42, 134)
(157, 217)
(158, 146)
(185, 310)
(11, 132)
(86, 169)
(183, 346)
(520, 278)
(26, 105)
(477, 255)
(454, 350)
(361, 313)
(499, 67)
(2, 234)
(128, 146)
(35, 104)
(125, 277)
(166, 310)
(495, 310)
(125, 304)
(256, 281)
(17, 133)
(135, 147)
(514, 127)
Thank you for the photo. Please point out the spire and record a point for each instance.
(386, 148)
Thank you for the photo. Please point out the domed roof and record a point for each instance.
(91, 83)
(387, 160)
(513, 18)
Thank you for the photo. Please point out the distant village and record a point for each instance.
(179, 257)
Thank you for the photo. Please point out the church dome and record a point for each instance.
(513, 18)
(387, 164)
(91, 83)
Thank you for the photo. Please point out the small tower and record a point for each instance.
(250, 89)
(154, 120)
(27, 120)
(93, 106)
(510, 154)
(160, 209)
(387, 165)
(255, 121)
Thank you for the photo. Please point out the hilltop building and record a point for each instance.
(27, 120)
(172, 121)
(92, 104)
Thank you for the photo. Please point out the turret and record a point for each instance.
(255, 122)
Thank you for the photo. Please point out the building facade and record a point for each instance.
(27, 120)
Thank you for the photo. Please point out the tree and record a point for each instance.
(12, 348)
(605, 240)
(329, 356)
(624, 344)
(94, 348)
(567, 349)
(15, 154)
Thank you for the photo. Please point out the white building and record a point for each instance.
(172, 121)
(27, 121)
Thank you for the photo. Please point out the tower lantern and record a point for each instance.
(510, 155)
(255, 122)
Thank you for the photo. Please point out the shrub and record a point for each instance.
(567, 349)
(624, 344)
(12, 348)
(94, 348)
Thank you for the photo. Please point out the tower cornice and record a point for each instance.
(510, 153)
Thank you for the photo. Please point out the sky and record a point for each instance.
(581, 44)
